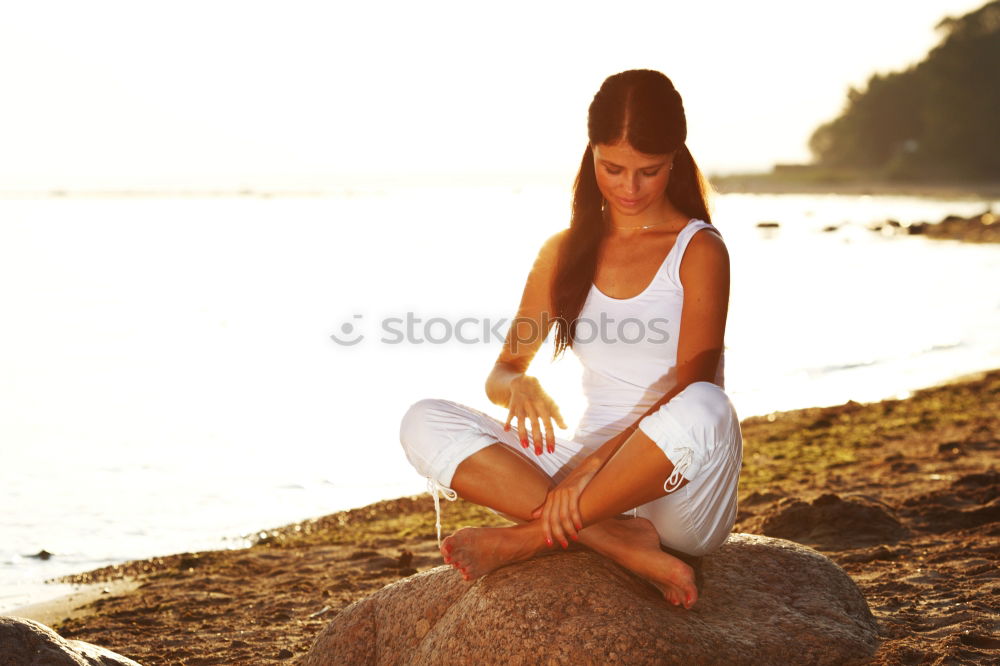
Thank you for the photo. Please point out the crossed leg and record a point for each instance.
(505, 481)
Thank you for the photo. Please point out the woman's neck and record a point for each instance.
(663, 218)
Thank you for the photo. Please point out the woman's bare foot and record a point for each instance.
(635, 545)
(476, 551)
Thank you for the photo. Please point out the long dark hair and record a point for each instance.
(642, 107)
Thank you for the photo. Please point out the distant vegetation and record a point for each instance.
(939, 119)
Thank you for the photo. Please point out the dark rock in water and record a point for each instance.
(834, 522)
(763, 601)
(768, 225)
(889, 227)
(42, 555)
(981, 228)
(831, 227)
(31, 643)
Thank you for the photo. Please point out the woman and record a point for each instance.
(643, 277)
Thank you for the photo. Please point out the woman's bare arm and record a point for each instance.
(526, 335)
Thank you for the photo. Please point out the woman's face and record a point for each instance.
(631, 181)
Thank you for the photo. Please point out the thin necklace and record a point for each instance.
(646, 226)
(607, 220)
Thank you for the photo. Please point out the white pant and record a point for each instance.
(698, 431)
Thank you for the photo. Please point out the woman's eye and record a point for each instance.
(615, 172)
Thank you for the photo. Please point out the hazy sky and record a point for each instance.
(301, 95)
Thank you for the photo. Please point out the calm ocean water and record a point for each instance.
(168, 380)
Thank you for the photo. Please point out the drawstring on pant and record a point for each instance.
(434, 488)
(680, 466)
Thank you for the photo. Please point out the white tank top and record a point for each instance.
(628, 348)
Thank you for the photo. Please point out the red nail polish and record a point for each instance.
(574, 537)
(548, 541)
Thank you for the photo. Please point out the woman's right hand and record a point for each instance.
(560, 513)
(533, 408)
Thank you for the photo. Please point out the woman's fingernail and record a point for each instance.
(565, 544)
(548, 540)
(574, 537)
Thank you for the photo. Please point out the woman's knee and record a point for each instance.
(416, 422)
(705, 403)
(437, 435)
(417, 436)
(433, 431)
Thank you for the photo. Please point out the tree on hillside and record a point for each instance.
(939, 118)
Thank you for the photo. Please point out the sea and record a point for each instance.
(177, 373)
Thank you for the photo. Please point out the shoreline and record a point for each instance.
(75, 604)
(728, 183)
(929, 460)
(768, 183)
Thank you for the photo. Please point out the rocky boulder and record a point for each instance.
(763, 601)
(29, 643)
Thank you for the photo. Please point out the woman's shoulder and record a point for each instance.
(706, 251)
(555, 241)
(549, 252)
(699, 224)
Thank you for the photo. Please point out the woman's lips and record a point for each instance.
(628, 202)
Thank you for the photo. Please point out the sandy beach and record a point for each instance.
(903, 494)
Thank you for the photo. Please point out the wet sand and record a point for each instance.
(903, 494)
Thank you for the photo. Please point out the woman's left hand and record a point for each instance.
(560, 514)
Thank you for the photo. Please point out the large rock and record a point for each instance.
(29, 643)
(763, 601)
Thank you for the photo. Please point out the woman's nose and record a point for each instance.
(632, 184)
